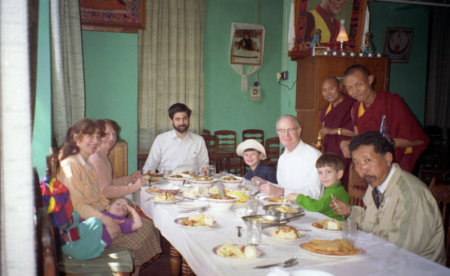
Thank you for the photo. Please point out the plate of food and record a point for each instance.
(231, 181)
(197, 221)
(202, 180)
(328, 225)
(237, 251)
(285, 233)
(275, 199)
(165, 198)
(339, 248)
(153, 177)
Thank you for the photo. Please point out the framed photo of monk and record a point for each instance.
(247, 44)
(126, 16)
(326, 16)
(397, 44)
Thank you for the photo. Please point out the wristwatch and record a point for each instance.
(339, 131)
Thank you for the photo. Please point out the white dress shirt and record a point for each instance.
(297, 173)
(170, 152)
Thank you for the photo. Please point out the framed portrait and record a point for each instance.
(126, 16)
(397, 44)
(311, 15)
(247, 44)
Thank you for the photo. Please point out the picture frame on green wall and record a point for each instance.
(124, 16)
(397, 45)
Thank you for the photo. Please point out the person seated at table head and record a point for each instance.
(331, 169)
(295, 170)
(179, 149)
(253, 153)
(117, 187)
(399, 207)
(402, 128)
(119, 209)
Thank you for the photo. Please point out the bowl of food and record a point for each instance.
(264, 220)
(176, 179)
(231, 181)
(217, 202)
(284, 210)
(169, 188)
(203, 181)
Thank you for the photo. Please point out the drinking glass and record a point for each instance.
(349, 231)
(252, 207)
(253, 236)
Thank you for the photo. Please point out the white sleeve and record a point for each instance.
(154, 157)
(203, 159)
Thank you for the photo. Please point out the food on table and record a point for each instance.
(338, 247)
(286, 209)
(218, 196)
(198, 220)
(175, 176)
(149, 173)
(285, 232)
(232, 177)
(152, 190)
(191, 193)
(186, 172)
(329, 224)
(242, 198)
(202, 178)
(165, 197)
(214, 190)
(237, 251)
(276, 199)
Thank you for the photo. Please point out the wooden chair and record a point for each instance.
(273, 151)
(227, 141)
(256, 134)
(356, 188)
(211, 146)
(442, 195)
(205, 131)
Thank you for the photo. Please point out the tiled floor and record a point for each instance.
(160, 267)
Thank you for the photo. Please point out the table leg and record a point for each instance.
(175, 261)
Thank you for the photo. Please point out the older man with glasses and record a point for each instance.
(296, 171)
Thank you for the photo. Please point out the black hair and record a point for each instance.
(380, 144)
(179, 107)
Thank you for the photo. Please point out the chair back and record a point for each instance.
(205, 131)
(273, 151)
(356, 188)
(442, 195)
(210, 141)
(226, 138)
(256, 134)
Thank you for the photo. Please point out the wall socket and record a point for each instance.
(282, 75)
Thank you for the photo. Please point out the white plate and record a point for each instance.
(269, 230)
(324, 230)
(177, 198)
(260, 253)
(202, 227)
(362, 252)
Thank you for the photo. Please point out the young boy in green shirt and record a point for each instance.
(331, 169)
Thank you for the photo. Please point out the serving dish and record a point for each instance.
(264, 220)
(283, 210)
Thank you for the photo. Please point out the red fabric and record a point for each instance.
(401, 123)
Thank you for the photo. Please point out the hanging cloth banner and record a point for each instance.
(246, 48)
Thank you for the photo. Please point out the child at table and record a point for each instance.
(119, 209)
(253, 153)
(331, 169)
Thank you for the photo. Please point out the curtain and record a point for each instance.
(68, 99)
(437, 110)
(16, 186)
(170, 58)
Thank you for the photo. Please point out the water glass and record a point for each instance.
(349, 231)
(253, 236)
(211, 170)
(252, 207)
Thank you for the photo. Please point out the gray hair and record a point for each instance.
(291, 117)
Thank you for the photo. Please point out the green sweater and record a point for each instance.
(322, 205)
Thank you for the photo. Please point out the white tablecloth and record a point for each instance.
(379, 257)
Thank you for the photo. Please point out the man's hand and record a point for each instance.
(270, 189)
(205, 171)
(258, 180)
(340, 208)
(138, 184)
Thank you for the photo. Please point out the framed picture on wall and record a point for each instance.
(126, 16)
(397, 45)
(247, 44)
(311, 15)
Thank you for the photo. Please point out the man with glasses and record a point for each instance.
(296, 171)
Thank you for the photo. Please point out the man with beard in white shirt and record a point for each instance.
(296, 171)
(178, 150)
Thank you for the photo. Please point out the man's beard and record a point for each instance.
(181, 128)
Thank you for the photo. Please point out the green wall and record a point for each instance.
(42, 117)
(226, 106)
(110, 61)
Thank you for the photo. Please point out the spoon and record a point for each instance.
(287, 263)
(239, 230)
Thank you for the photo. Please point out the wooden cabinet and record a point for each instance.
(311, 71)
(119, 159)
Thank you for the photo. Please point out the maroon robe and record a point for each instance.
(401, 124)
(338, 117)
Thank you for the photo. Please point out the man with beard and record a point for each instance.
(399, 207)
(179, 149)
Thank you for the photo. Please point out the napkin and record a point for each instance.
(277, 271)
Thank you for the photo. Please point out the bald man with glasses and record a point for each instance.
(296, 171)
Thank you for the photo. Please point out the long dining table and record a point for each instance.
(378, 257)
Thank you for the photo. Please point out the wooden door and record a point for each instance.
(119, 159)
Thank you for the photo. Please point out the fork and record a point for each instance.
(201, 209)
(288, 263)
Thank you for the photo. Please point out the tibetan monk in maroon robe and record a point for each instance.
(404, 131)
(337, 125)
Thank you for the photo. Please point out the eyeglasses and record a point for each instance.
(286, 130)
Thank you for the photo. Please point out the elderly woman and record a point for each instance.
(117, 187)
(80, 177)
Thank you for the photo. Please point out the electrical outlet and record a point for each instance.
(284, 75)
(278, 76)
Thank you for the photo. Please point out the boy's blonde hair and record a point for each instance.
(129, 202)
(332, 160)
